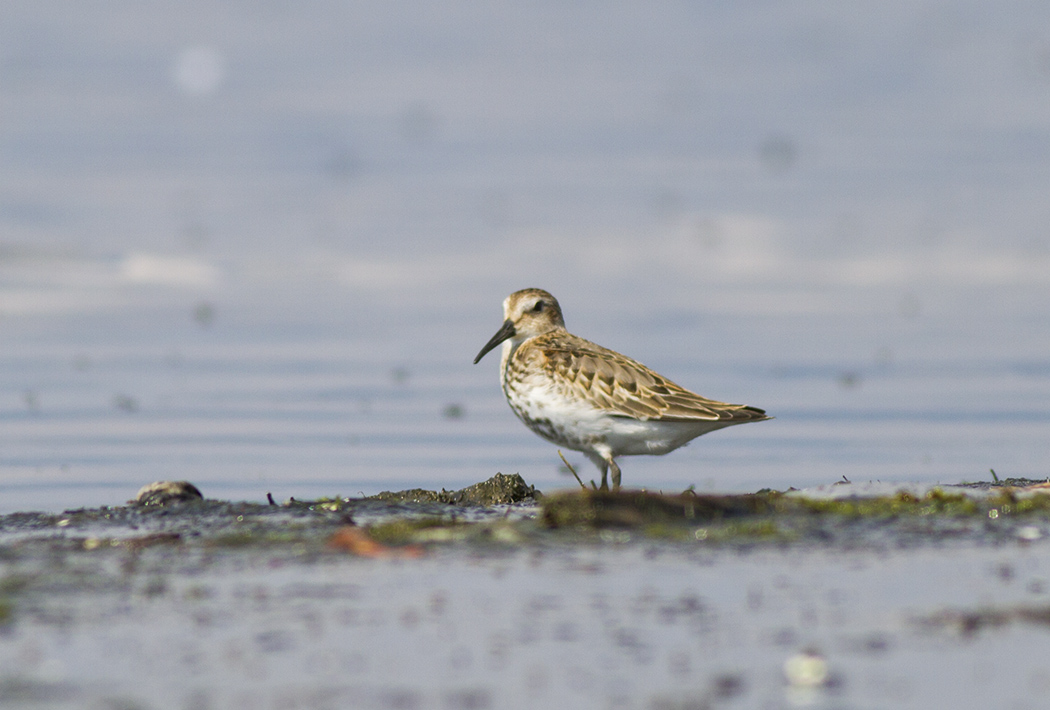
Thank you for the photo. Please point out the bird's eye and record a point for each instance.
(538, 308)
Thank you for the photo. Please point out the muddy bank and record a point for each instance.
(582, 599)
(177, 513)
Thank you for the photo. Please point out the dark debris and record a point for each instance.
(501, 489)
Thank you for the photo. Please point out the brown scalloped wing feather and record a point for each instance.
(626, 387)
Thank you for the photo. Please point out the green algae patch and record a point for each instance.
(686, 518)
(11, 585)
(773, 517)
(936, 502)
(1010, 501)
(766, 529)
(404, 531)
(263, 536)
(637, 509)
(762, 530)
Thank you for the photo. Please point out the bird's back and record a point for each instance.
(618, 385)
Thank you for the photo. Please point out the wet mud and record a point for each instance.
(178, 512)
(771, 598)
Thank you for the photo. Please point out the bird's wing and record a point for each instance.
(626, 387)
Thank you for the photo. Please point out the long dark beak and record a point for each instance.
(507, 331)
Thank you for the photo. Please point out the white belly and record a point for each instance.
(575, 424)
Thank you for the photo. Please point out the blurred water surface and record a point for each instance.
(256, 246)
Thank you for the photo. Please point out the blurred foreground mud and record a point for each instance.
(502, 573)
(178, 513)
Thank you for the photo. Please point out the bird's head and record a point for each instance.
(527, 313)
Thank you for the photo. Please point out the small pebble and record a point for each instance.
(165, 492)
(807, 669)
(1029, 533)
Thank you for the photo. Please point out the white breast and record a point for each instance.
(576, 423)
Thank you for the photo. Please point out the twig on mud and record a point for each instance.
(571, 470)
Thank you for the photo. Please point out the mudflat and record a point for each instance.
(844, 596)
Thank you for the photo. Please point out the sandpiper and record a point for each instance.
(588, 398)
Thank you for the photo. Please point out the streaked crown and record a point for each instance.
(533, 312)
(527, 313)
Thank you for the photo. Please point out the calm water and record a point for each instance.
(607, 626)
(257, 246)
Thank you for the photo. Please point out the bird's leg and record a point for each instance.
(602, 462)
(615, 475)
